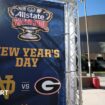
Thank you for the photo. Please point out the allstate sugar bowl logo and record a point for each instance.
(30, 19)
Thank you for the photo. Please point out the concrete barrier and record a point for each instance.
(87, 82)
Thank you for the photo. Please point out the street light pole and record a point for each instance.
(87, 37)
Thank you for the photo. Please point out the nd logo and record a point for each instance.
(7, 84)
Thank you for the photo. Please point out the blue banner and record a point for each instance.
(32, 53)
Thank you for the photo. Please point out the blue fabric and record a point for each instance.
(46, 67)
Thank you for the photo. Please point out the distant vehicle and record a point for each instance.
(96, 65)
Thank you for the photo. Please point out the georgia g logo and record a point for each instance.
(47, 86)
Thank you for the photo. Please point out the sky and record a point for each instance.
(94, 7)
